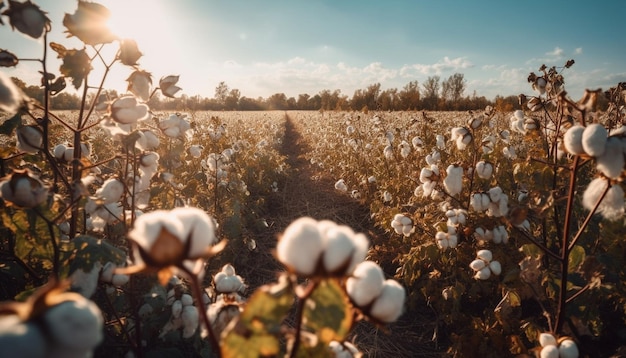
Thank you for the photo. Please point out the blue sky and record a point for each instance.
(294, 47)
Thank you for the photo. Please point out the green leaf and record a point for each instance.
(255, 332)
(32, 238)
(576, 257)
(328, 313)
(90, 250)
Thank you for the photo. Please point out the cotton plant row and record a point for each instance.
(496, 187)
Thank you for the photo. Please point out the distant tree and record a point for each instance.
(371, 96)
(232, 100)
(303, 101)
(410, 96)
(291, 103)
(250, 104)
(389, 100)
(277, 101)
(430, 94)
(221, 92)
(452, 91)
(315, 102)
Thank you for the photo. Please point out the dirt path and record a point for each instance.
(308, 192)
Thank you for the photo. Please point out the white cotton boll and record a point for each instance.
(186, 299)
(388, 152)
(457, 132)
(441, 141)
(111, 191)
(495, 267)
(387, 196)
(371, 179)
(366, 283)
(85, 282)
(479, 233)
(120, 280)
(300, 246)
(549, 352)
(338, 248)
(495, 193)
(425, 175)
(75, 324)
(453, 240)
(190, 319)
(484, 255)
(509, 153)
(477, 265)
(503, 205)
(612, 205)
(611, 162)
(417, 143)
(483, 274)
(573, 140)
(496, 236)
(486, 200)
(568, 349)
(341, 185)
(484, 169)
(547, 339)
(198, 229)
(594, 139)
(518, 115)
(177, 308)
(389, 305)
(477, 202)
(454, 179)
(405, 149)
(21, 339)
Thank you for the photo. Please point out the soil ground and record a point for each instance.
(308, 192)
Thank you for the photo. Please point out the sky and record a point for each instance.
(295, 47)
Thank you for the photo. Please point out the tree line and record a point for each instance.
(434, 94)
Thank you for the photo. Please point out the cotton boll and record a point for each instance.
(338, 248)
(495, 193)
(190, 320)
(300, 246)
(612, 205)
(389, 305)
(341, 185)
(477, 202)
(549, 352)
(186, 299)
(177, 309)
(477, 265)
(611, 162)
(573, 140)
(484, 169)
(454, 179)
(483, 274)
(484, 255)
(366, 283)
(594, 139)
(495, 267)
(21, 339)
(453, 240)
(568, 349)
(75, 324)
(441, 141)
(547, 339)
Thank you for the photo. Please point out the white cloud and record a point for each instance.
(557, 52)
(445, 65)
(578, 51)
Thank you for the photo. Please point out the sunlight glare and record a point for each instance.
(141, 21)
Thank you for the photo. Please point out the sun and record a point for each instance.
(139, 20)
